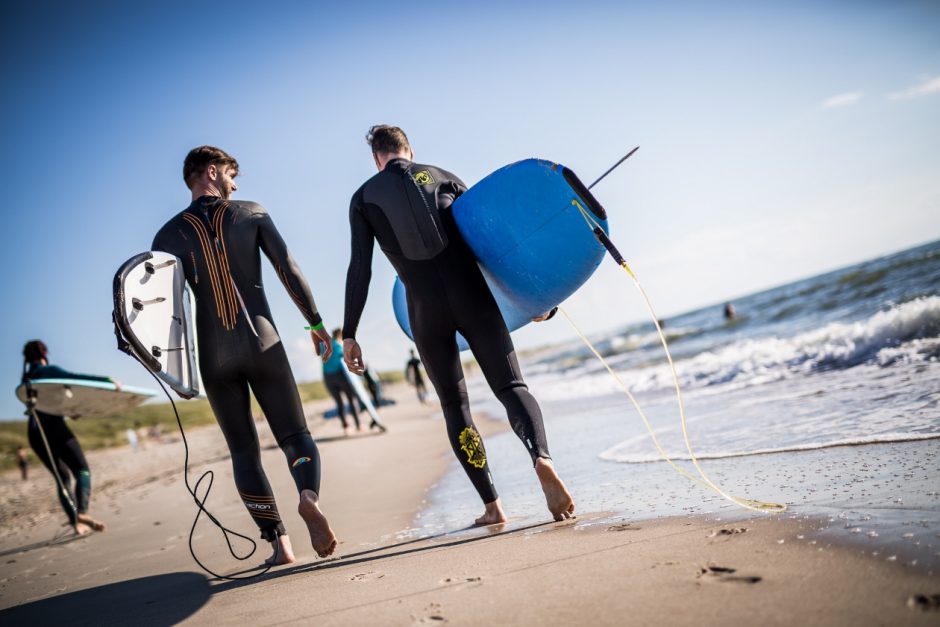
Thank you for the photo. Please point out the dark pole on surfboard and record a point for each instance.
(613, 167)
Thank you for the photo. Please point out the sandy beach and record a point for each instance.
(594, 570)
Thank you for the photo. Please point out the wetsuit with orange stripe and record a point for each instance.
(220, 244)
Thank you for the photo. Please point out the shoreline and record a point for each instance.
(591, 570)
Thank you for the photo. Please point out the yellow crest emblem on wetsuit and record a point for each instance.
(472, 444)
(424, 177)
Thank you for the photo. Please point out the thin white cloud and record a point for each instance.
(929, 86)
(841, 100)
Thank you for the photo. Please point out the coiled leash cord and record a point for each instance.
(200, 504)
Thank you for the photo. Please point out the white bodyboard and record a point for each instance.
(77, 397)
(153, 313)
(361, 392)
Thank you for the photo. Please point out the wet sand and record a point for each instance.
(593, 570)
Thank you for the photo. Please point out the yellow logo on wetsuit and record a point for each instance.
(424, 178)
(472, 445)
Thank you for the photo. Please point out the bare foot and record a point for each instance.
(346, 431)
(559, 502)
(94, 523)
(81, 529)
(282, 551)
(493, 514)
(321, 536)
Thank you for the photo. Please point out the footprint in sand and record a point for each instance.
(732, 531)
(724, 574)
(433, 615)
(623, 527)
(924, 602)
(367, 576)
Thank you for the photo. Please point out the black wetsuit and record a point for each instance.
(219, 243)
(413, 372)
(67, 454)
(337, 385)
(406, 207)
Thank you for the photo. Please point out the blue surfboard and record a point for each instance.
(534, 246)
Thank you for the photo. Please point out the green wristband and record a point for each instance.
(315, 327)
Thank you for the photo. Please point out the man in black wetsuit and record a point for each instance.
(406, 207)
(219, 241)
(67, 455)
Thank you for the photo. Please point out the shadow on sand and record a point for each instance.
(158, 600)
(423, 544)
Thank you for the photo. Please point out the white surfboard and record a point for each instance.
(153, 314)
(362, 393)
(80, 398)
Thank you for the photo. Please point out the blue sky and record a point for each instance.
(777, 141)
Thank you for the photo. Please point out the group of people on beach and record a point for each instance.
(406, 208)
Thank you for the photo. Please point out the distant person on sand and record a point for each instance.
(22, 460)
(220, 242)
(334, 377)
(407, 208)
(131, 434)
(414, 377)
(730, 313)
(49, 434)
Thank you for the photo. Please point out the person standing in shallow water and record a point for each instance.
(730, 312)
(220, 242)
(406, 207)
(67, 454)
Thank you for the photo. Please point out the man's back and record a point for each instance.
(219, 243)
(406, 209)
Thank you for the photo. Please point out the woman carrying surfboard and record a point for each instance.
(67, 457)
(337, 382)
(406, 207)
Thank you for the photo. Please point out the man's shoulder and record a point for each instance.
(358, 196)
(247, 207)
(169, 227)
(427, 174)
(417, 167)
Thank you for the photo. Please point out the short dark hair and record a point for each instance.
(386, 139)
(35, 350)
(337, 333)
(202, 157)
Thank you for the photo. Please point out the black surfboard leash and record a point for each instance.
(200, 503)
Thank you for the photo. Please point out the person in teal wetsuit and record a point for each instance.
(338, 385)
(56, 446)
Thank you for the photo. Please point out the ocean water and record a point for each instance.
(823, 394)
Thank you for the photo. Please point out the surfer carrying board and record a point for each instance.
(337, 383)
(219, 241)
(406, 207)
(67, 455)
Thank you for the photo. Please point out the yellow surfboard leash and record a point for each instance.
(702, 479)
